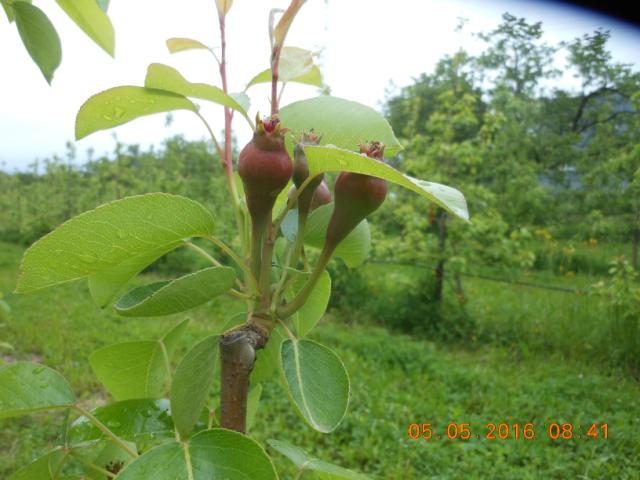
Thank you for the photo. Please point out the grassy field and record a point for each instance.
(528, 361)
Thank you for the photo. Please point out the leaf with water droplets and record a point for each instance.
(120, 105)
(27, 387)
(332, 159)
(93, 245)
(132, 420)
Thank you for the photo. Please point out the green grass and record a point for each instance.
(395, 380)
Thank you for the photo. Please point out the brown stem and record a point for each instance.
(238, 356)
(227, 159)
(275, 64)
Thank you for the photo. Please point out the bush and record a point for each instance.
(404, 307)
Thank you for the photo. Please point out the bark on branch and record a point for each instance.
(238, 355)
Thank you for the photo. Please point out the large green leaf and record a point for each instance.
(304, 461)
(191, 384)
(100, 240)
(312, 311)
(163, 77)
(93, 21)
(46, 467)
(106, 284)
(339, 122)
(354, 249)
(317, 381)
(39, 37)
(120, 105)
(184, 293)
(211, 454)
(173, 336)
(131, 420)
(332, 159)
(27, 387)
(131, 369)
(179, 44)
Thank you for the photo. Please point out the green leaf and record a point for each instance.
(106, 284)
(39, 37)
(208, 455)
(45, 467)
(242, 98)
(107, 453)
(312, 311)
(253, 402)
(131, 369)
(120, 105)
(177, 44)
(8, 11)
(296, 65)
(318, 383)
(118, 232)
(184, 293)
(331, 159)
(191, 384)
(131, 420)
(304, 461)
(173, 336)
(339, 122)
(163, 77)
(354, 249)
(93, 21)
(29, 387)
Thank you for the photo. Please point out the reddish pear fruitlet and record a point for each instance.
(356, 197)
(301, 173)
(265, 167)
(321, 196)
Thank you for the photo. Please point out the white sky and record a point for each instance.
(366, 44)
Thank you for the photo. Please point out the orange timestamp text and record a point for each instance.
(505, 431)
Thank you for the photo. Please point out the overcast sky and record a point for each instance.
(365, 45)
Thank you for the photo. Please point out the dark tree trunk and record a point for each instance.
(238, 355)
(442, 241)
